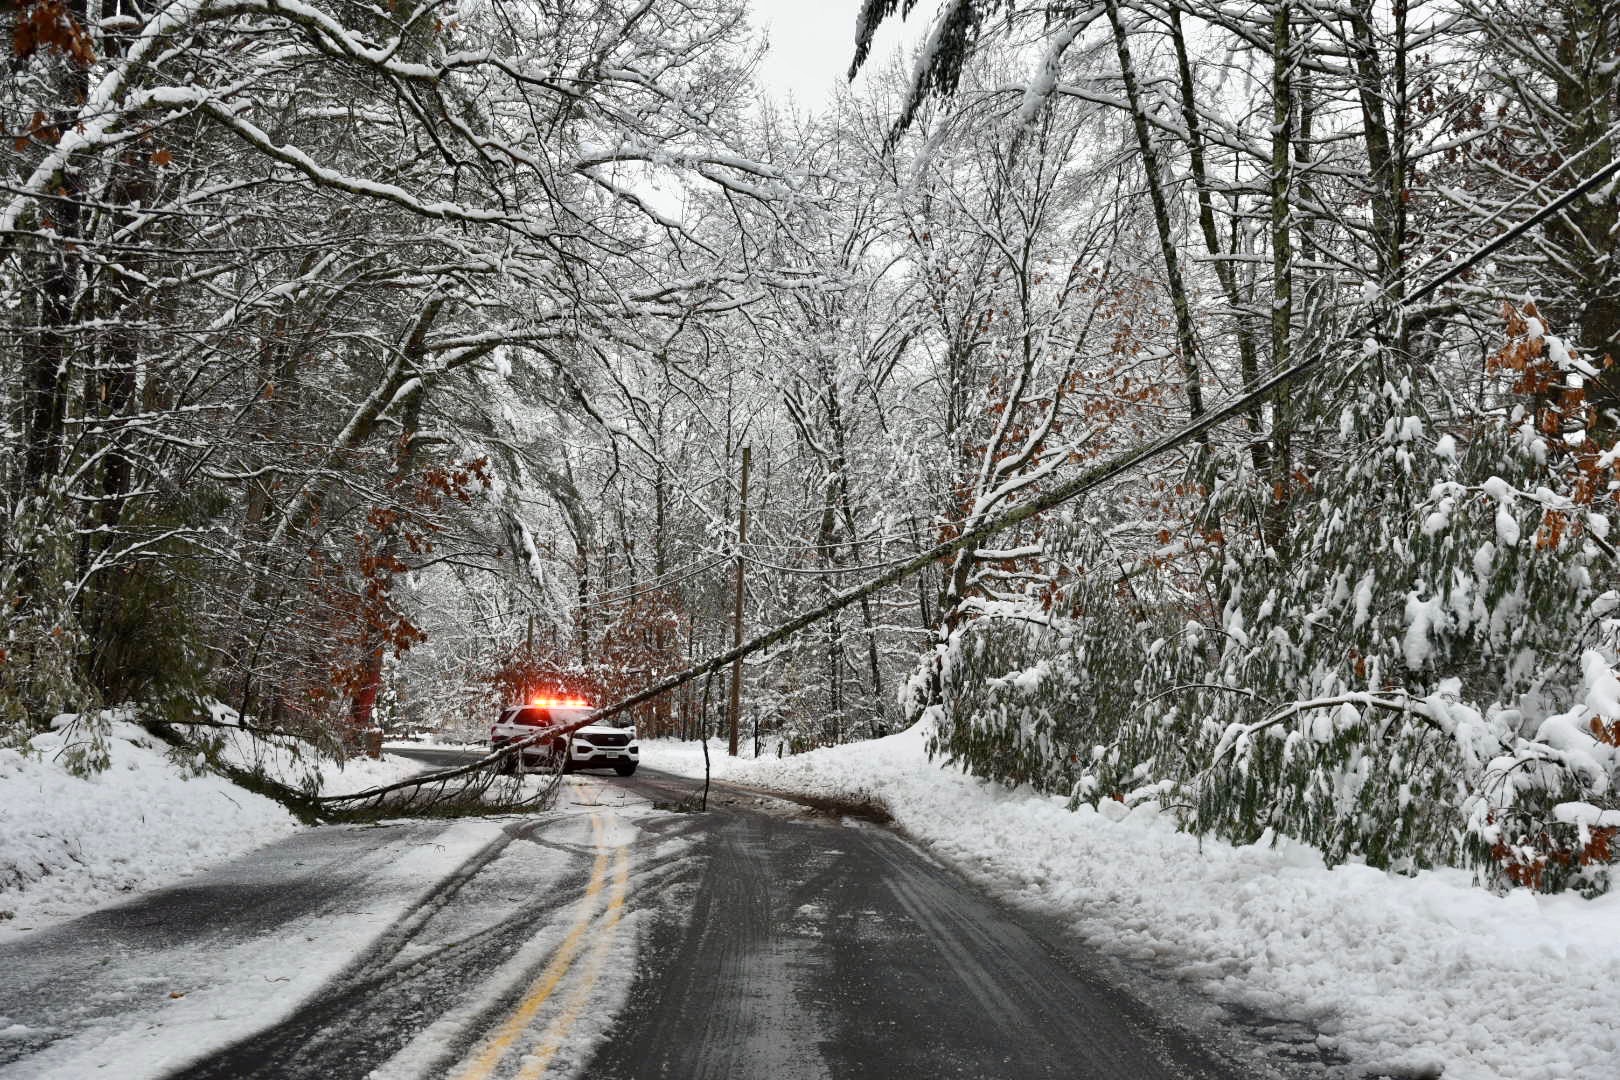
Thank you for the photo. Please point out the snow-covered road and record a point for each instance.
(820, 947)
(609, 938)
(389, 950)
(1398, 976)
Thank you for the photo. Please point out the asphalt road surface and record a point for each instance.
(759, 940)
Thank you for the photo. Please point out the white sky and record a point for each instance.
(813, 41)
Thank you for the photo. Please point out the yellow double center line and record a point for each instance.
(560, 1026)
(545, 985)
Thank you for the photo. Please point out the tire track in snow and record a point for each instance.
(371, 1010)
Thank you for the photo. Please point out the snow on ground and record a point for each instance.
(149, 1011)
(1401, 975)
(293, 763)
(434, 741)
(586, 953)
(381, 896)
(359, 773)
(69, 844)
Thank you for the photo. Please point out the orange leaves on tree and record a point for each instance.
(1600, 848)
(1552, 529)
(633, 642)
(1523, 352)
(1563, 416)
(459, 482)
(1605, 733)
(40, 129)
(1560, 407)
(1528, 863)
(521, 672)
(639, 642)
(358, 615)
(48, 25)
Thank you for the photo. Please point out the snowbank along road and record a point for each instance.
(609, 939)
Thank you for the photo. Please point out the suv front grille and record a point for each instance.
(605, 740)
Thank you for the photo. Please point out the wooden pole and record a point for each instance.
(737, 610)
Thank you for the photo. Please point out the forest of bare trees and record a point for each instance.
(366, 365)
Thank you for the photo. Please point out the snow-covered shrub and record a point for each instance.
(1025, 703)
(1422, 673)
(1546, 813)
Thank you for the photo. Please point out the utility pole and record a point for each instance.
(737, 607)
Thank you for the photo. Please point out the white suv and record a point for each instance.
(610, 743)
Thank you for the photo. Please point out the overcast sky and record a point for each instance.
(812, 42)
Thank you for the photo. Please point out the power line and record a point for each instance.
(827, 571)
(1101, 474)
(657, 584)
(1071, 489)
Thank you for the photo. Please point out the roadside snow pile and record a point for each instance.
(293, 763)
(436, 741)
(1403, 976)
(68, 844)
(360, 773)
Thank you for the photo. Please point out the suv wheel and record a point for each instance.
(624, 767)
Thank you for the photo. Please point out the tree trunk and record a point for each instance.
(1282, 268)
(1186, 344)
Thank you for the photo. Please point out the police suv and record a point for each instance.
(607, 744)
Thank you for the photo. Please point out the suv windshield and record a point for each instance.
(530, 717)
